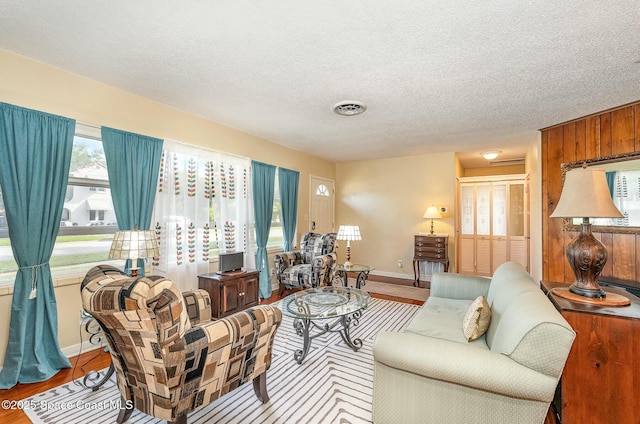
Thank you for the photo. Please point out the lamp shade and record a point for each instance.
(432, 212)
(134, 244)
(586, 194)
(349, 232)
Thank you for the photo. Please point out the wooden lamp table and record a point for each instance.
(600, 379)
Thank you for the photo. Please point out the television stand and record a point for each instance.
(232, 291)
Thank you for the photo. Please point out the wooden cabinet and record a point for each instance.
(600, 382)
(493, 223)
(429, 248)
(231, 292)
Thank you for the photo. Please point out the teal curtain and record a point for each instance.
(288, 189)
(133, 164)
(263, 184)
(611, 182)
(35, 149)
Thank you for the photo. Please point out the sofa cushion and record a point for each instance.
(509, 281)
(442, 318)
(476, 319)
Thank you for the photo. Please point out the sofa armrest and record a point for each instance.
(458, 286)
(462, 364)
(198, 304)
(245, 337)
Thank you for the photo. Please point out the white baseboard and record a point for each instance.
(77, 349)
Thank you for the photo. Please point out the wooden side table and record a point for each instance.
(231, 292)
(429, 248)
(599, 382)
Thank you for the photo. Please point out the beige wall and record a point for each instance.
(387, 199)
(37, 86)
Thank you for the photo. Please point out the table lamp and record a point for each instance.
(585, 195)
(348, 233)
(134, 244)
(432, 213)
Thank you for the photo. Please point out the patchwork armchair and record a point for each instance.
(311, 266)
(170, 358)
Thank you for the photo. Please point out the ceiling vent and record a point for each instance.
(349, 108)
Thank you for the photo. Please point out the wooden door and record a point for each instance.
(230, 297)
(251, 290)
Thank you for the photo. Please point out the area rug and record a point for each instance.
(334, 384)
(396, 290)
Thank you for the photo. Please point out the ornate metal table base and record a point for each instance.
(343, 324)
(94, 379)
(362, 271)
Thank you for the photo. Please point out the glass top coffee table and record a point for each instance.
(326, 309)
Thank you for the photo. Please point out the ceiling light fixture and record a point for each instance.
(491, 154)
(349, 108)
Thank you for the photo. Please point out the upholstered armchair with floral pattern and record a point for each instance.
(170, 358)
(311, 266)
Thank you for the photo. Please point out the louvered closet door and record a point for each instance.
(483, 229)
(493, 224)
(467, 250)
(499, 245)
(518, 223)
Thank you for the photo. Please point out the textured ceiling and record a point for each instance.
(436, 76)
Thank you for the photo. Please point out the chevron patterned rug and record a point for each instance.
(334, 384)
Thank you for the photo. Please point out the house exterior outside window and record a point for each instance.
(88, 221)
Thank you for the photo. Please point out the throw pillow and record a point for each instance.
(476, 319)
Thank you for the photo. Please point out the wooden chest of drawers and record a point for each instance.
(429, 249)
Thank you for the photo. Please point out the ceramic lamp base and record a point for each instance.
(587, 257)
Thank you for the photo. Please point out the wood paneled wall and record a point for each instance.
(609, 133)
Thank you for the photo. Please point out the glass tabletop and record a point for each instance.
(353, 268)
(324, 302)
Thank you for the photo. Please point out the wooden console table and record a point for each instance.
(429, 248)
(597, 385)
(231, 292)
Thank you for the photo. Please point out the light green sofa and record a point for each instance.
(430, 373)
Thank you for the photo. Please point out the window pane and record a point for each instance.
(88, 220)
(276, 238)
(87, 223)
(8, 265)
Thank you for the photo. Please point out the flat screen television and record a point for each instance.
(229, 262)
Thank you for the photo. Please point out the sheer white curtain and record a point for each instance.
(203, 205)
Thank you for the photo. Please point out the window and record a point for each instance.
(96, 217)
(322, 190)
(88, 221)
(276, 237)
